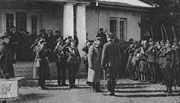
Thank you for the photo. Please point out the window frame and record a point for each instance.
(118, 31)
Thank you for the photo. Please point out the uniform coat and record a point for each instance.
(94, 61)
(111, 58)
(177, 64)
(41, 63)
(73, 62)
(61, 59)
(5, 61)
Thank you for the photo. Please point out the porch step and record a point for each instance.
(25, 69)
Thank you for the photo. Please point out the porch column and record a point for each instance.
(68, 20)
(81, 25)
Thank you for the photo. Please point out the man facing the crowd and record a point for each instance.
(110, 61)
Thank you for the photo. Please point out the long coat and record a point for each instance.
(41, 62)
(5, 61)
(111, 58)
(94, 61)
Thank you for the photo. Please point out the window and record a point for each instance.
(113, 24)
(34, 24)
(9, 21)
(118, 27)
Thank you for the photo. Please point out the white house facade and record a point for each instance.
(84, 17)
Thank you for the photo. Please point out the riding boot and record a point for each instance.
(97, 88)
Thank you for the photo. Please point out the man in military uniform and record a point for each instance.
(111, 61)
(168, 64)
(176, 69)
(161, 58)
(94, 60)
(61, 59)
(13, 42)
(6, 67)
(41, 62)
(73, 62)
(151, 52)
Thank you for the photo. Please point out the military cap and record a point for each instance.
(101, 29)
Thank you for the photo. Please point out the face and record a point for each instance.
(72, 43)
(168, 44)
(151, 43)
(101, 30)
(98, 42)
(50, 31)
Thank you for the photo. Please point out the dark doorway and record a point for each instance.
(21, 21)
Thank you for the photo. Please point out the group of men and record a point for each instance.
(66, 55)
(103, 54)
(155, 62)
(147, 60)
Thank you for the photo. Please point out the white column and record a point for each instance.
(81, 25)
(68, 20)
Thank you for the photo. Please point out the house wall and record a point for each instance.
(52, 19)
(3, 13)
(133, 30)
(50, 15)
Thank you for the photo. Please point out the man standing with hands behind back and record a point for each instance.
(110, 61)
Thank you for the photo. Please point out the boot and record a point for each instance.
(94, 86)
(97, 88)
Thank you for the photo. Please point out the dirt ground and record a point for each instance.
(127, 91)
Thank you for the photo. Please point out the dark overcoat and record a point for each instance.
(6, 61)
(94, 61)
(41, 62)
(111, 58)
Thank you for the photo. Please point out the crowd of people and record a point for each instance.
(145, 60)
(156, 62)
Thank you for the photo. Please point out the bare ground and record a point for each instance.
(127, 91)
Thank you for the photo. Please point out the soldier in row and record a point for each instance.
(6, 67)
(154, 60)
(94, 61)
(41, 62)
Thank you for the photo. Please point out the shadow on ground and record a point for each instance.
(149, 95)
(30, 98)
(28, 83)
(56, 87)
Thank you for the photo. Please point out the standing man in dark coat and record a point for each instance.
(168, 65)
(41, 62)
(176, 68)
(111, 61)
(94, 61)
(13, 43)
(152, 54)
(6, 67)
(61, 59)
(73, 62)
